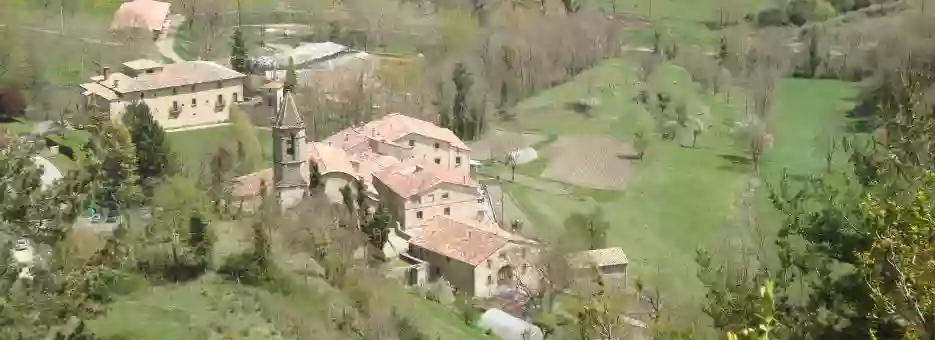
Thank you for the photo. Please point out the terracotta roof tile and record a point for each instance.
(457, 240)
(412, 178)
(600, 257)
(249, 185)
(171, 75)
(141, 13)
(392, 127)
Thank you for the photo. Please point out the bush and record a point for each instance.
(12, 104)
(771, 17)
(244, 268)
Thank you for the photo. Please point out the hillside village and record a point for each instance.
(384, 169)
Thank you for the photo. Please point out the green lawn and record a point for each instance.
(678, 198)
(194, 147)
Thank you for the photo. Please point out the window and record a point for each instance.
(431, 198)
(194, 102)
(193, 88)
(489, 264)
(437, 145)
(444, 195)
(489, 280)
(457, 160)
(412, 142)
(175, 90)
(290, 146)
(438, 161)
(220, 84)
(522, 253)
(447, 211)
(419, 215)
(503, 256)
(174, 110)
(414, 199)
(235, 97)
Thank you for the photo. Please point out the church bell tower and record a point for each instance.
(289, 154)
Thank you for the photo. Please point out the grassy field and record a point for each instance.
(678, 198)
(194, 147)
(687, 21)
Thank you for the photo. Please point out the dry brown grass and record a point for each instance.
(596, 162)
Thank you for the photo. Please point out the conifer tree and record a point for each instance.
(238, 57)
(292, 79)
(155, 159)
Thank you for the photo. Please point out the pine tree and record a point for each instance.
(292, 80)
(154, 157)
(238, 59)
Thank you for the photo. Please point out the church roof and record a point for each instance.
(288, 115)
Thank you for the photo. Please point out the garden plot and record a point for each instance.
(595, 162)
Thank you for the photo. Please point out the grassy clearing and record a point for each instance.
(687, 21)
(18, 127)
(193, 310)
(194, 147)
(678, 198)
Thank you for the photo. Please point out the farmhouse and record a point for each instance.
(183, 94)
(145, 14)
(476, 258)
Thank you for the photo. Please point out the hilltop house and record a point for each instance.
(179, 95)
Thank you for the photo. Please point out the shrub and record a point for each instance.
(12, 104)
(771, 17)
(244, 268)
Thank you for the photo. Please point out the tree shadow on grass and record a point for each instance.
(736, 163)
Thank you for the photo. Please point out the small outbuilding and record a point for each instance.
(507, 327)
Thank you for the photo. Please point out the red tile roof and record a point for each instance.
(412, 178)
(148, 14)
(459, 241)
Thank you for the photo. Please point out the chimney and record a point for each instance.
(418, 168)
(116, 83)
(105, 71)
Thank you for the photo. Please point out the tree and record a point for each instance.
(722, 51)
(377, 227)
(238, 59)
(511, 162)
(459, 107)
(640, 143)
(592, 228)
(348, 198)
(814, 58)
(752, 136)
(292, 79)
(112, 159)
(249, 149)
(155, 160)
(314, 177)
(571, 6)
